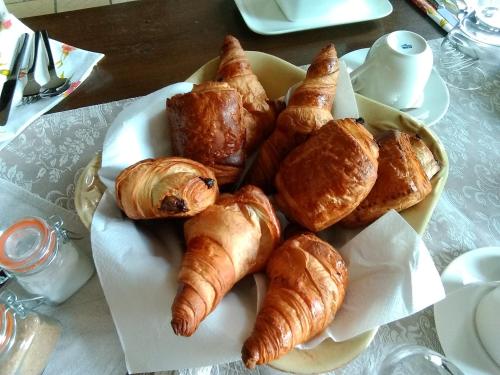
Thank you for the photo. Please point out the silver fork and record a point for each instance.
(46, 94)
(55, 82)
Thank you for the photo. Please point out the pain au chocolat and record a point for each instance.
(165, 187)
(324, 179)
(402, 180)
(206, 126)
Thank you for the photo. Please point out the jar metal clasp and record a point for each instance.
(4, 279)
(56, 222)
(20, 306)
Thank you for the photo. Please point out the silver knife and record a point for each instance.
(9, 87)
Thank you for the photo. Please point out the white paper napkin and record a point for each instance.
(391, 276)
(71, 62)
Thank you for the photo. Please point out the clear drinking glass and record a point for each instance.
(473, 45)
(416, 360)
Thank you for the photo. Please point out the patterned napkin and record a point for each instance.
(70, 62)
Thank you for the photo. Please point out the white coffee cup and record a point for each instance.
(396, 70)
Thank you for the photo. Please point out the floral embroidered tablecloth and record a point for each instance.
(47, 158)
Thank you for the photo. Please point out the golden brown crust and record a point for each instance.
(308, 280)
(206, 126)
(308, 109)
(401, 181)
(165, 187)
(258, 116)
(227, 241)
(325, 178)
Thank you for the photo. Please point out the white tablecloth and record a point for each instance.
(47, 158)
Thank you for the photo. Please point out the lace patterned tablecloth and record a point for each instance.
(47, 158)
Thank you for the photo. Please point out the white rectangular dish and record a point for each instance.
(265, 16)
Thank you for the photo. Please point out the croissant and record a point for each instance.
(206, 126)
(324, 179)
(165, 187)
(258, 115)
(309, 108)
(308, 280)
(225, 242)
(401, 181)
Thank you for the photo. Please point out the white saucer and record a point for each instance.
(436, 95)
(454, 317)
(265, 16)
(480, 265)
(466, 280)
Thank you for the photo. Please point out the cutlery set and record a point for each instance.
(32, 91)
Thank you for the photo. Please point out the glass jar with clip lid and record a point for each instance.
(27, 338)
(42, 258)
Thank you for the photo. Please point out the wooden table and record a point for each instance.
(152, 43)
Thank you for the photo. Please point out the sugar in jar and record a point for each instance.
(43, 260)
(27, 340)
